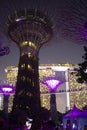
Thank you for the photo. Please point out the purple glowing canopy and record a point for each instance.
(6, 89)
(75, 112)
(84, 113)
(52, 82)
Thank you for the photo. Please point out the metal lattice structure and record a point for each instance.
(30, 29)
(30, 26)
(73, 24)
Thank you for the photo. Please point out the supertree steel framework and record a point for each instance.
(30, 29)
(73, 24)
(6, 90)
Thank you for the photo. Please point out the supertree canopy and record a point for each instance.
(30, 29)
(52, 83)
(74, 21)
(75, 29)
(7, 90)
(30, 26)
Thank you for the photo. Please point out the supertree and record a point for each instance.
(6, 90)
(73, 24)
(52, 83)
(74, 28)
(30, 29)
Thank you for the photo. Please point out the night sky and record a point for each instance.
(69, 32)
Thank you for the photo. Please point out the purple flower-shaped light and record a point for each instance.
(52, 83)
(7, 90)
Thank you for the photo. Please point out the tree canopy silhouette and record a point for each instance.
(82, 70)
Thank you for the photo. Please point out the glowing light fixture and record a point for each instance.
(20, 19)
(7, 90)
(52, 83)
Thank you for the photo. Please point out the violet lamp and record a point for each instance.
(6, 90)
(52, 83)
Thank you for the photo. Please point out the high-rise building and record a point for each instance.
(69, 93)
(30, 29)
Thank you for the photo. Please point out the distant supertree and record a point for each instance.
(74, 28)
(74, 21)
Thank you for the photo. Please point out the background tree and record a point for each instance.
(82, 70)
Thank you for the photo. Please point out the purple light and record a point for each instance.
(52, 82)
(20, 19)
(7, 90)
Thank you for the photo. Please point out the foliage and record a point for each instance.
(82, 71)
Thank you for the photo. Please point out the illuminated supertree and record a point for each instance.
(52, 83)
(6, 90)
(73, 24)
(30, 29)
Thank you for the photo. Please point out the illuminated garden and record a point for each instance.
(50, 96)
